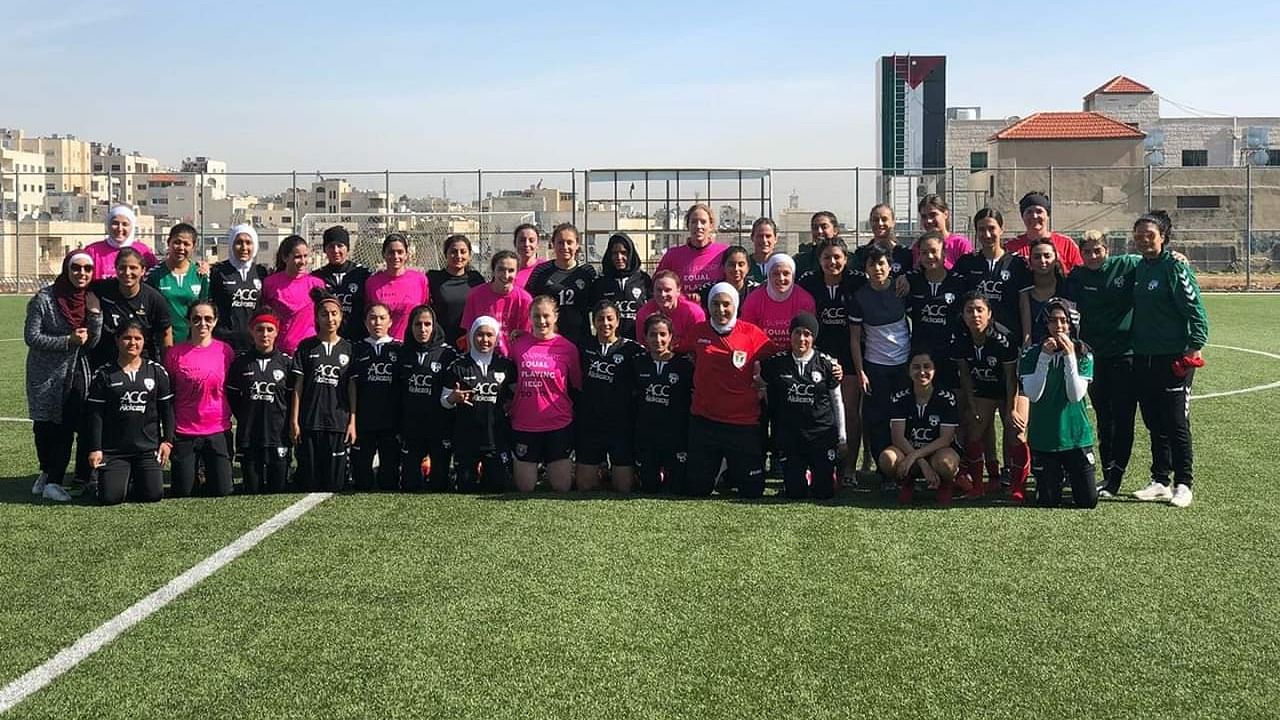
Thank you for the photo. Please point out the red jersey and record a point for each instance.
(724, 370)
(1068, 251)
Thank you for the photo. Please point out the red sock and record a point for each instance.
(993, 473)
(944, 493)
(971, 465)
(1019, 461)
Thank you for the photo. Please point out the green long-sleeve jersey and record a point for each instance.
(1105, 300)
(1168, 315)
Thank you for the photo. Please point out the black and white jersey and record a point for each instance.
(999, 281)
(346, 283)
(323, 369)
(484, 425)
(420, 372)
(449, 298)
(987, 362)
(131, 412)
(934, 308)
(900, 260)
(664, 394)
(924, 423)
(236, 293)
(572, 291)
(259, 388)
(831, 305)
(608, 382)
(373, 372)
(800, 403)
(629, 293)
(148, 305)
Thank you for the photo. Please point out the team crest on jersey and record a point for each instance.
(257, 283)
(739, 359)
(617, 358)
(991, 361)
(580, 283)
(435, 366)
(282, 452)
(500, 376)
(342, 358)
(635, 293)
(1004, 274)
(277, 374)
(948, 298)
(831, 454)
(195, 288)
(682, 457)
(897, 267)
(1153, 284)
(1118, 282)
(673, 378)
(149, 384)
(521, 450)
(934, 420)
(817, 376)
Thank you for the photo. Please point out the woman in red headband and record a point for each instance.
(258, 390)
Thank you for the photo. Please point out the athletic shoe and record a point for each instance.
(38, 487)
(1156, 491)
(54, 492)
(905, 491)
(1105, 494)
(1018, 496)
(1181, 497)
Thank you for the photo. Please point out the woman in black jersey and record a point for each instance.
(603, 410)
(736, 264)
(131, 422)
(320, 414)
(622, 282)
(995, 272)
(1047, 282)
(372, 393)
(923, 422)
(235, 285)
(933, 302)
(344, 279)
(126, 297)
(882, 224)
(568, 281)
(426, 428)
(477, 389)
(450, 285)
(258, 391)
(663, 396)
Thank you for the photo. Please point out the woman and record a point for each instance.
(397, 286)
(568, 282)
(987, 360)
(604, 414)
(1034, 208)
(668, 300)
(235, 285)
(197, 370)
(1169, 329)
(622, 282)
(764, 238)
(502, 299)
(525, 239)
(478, 388)
(935, 216)
(1047, 282)
(371, 391)
(823, 228)
(882, 224)
(259, 393)
(736, 265)
(880, 345)
(320, 413)
(725, 413)
(179, 280)
(451, 285)
(121, 230)
(773, 309)
(698, 261)
(807, 412)
(923, 423)
(998, 274)
(547, 369)
(287, 293)
(125, 297)
(345, 279)
(1055, 375)
(130, 421)
(63, 324)
(664, 391)
(426, 429)
(933, 302)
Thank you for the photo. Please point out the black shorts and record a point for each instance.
(547, 446)
(597, 441)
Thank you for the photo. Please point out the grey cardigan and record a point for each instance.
(52, 362)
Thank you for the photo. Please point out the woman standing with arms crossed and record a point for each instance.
(547, 369)
(397, 286)
(287, 293)
(451, 285)
(568, 282)
(197, 370)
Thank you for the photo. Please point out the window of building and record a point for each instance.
(977, 160)
(1195, 158)
(286, 220)
(320, 204)
(1199, 202)
(1273, 157)
(115, 167)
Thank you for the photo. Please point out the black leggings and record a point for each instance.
(386, 446)
(711, 442)
(1166, 411)
(1052, 469)
(885, 380)
(53, 448)
(322, 460)
(415, 449)
(266, 469)
(816, 459)
(120, 473)
(661, 466)
(1115, 401)
(482, 471)
(213, 453)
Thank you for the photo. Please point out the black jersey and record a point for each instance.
(800, 403)
(664, 394)
(749, 286)
(323, 369)
(449, 297)
(1039, 330)
(924, 423)
(259, 388)
(832, 308)
(934, 308)
(148, 305)
(130, 412)
(373, 372)
(419, 380)
(484, 425)
(999, 281)
(986, 362)
(236, 294)
(346, 283)
(628, 292)
(608, 385)
(900, 260)
(572, 291)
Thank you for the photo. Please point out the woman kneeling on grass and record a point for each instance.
(548, 366)
(923, 421)
(477, 390)
(1055, 375)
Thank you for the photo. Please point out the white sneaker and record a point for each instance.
(54, 492)
(1104, 494)
(38, 487)
(1155, 491)
(1181, 496)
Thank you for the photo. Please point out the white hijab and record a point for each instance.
(482, 358)
(725, 289)
(775, 260)
(242, 229)
(125, 212)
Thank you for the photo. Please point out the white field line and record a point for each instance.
(1241, 391)
(72, 655)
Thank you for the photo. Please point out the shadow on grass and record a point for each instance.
(17, 491)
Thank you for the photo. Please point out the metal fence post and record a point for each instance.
(573, 189)
(857, 201)
(204, 249)
(17, 220)
(1050, 192)
(480, 200)
(1149, 180)
(1248, 227)
(293, 182)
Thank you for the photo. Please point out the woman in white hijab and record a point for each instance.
(235, 285)
(122, 227)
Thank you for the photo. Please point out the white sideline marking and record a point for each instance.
(11, 419)
(10, 339)
(66, 659)
(1241, 391)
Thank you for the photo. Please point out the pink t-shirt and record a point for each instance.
(545, 370)
(510, 310)
(697, 267)
(104, 257)
(522, 275)
(401, 294)
(290, 301)
(775, 317)
(199, 376)
(953, 248)
(683, 319)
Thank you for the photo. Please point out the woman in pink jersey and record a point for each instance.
(500, 298)
(667, 300)
(935, 215)
(198, 371)
(121, 228)
(398, 286)
(698, 261)
(547, 367)
(773, 309)
(526, 241)
(287, 292)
